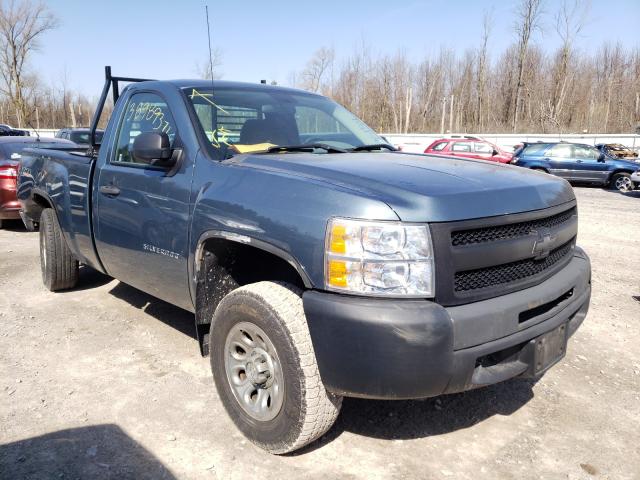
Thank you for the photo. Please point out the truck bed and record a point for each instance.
(61, 177)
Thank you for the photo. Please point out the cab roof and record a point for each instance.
(185, 83)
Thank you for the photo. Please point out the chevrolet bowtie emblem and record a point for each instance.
(543, 243)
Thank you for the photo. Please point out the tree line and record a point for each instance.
(522, 89)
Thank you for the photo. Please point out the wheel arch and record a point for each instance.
(39, 201)
(618, 170)
(224, 261)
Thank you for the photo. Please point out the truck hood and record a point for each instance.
(422, 188)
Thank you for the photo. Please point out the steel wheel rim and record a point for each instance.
(623, 184)
(254, 371)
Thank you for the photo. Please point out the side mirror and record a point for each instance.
(601, 157)
(153, 148)
(494, 153)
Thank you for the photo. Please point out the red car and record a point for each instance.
(469, 147)
(10, 153)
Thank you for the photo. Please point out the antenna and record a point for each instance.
(30, 125)
(206, 9)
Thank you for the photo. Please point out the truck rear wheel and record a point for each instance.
(59, 268)
(265, 368)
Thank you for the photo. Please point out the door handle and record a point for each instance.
(110, 190)
(579, 161)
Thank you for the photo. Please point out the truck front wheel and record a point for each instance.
(265, 368)
(59, 268)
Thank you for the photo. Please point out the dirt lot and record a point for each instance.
(106, 382)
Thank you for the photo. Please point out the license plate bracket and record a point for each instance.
(549, 349)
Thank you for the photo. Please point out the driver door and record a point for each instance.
(142, 220)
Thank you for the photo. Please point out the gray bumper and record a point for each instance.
(383, 348)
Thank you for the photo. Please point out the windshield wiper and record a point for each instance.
(375, 146)
(309, 147)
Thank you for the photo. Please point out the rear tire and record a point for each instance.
(270, 387)
(621, 182)
(59, 268)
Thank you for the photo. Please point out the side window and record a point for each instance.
(481, 147)
(585, 152)
(561, 150)
(439, 146)
(535, 149)
(461, 147)
(145, 112)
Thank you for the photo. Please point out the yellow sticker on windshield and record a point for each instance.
(256, 147)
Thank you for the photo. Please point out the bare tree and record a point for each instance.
(210, 65)
(481, 81)
(22, 24)
(570, 20)
(528, 17)
(317, 68)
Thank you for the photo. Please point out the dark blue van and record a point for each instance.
(578, 163)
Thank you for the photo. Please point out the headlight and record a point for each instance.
(379, 258)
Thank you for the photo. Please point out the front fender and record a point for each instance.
(286, 215)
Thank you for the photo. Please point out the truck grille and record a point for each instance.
(488, 257)
(509, 272)
(514, 230)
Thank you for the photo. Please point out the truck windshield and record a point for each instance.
(247, 120)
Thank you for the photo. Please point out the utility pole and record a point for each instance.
(444, 111)
(37, 119)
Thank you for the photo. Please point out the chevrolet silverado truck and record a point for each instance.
(318, 261)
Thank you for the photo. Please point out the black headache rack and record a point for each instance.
(113, 83)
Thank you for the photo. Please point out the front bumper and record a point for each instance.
(402, 349)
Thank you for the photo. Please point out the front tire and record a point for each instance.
(59, 268)
(621, 182)
(265, 368)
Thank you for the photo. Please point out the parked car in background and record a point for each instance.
(11, 149)
(577, 163)
(469, 147)
(616, 150)
(79, 136)
(8, 131)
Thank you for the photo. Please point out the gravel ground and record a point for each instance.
(106, 382)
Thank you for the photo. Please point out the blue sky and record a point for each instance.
(164, 39)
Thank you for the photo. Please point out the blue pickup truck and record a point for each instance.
(318, 261)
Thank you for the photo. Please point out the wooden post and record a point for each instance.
(444, 110)
(37, 119)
